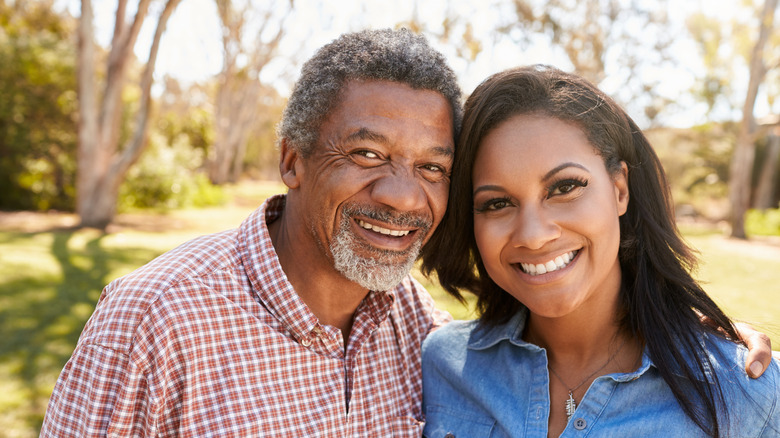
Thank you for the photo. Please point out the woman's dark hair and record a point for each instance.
(660, 302)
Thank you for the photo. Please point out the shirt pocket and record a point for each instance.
(406, 427)
(441, 422)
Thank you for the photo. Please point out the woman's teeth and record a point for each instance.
(381, 230)
(553, 265)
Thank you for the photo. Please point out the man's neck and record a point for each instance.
(329, 295)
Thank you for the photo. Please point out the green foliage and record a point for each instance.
(763, 222)
(37, 107)
(196, 125)
(168, 177)
(696, 162)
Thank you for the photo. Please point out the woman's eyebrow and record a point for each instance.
(487, 188)
(558, 168)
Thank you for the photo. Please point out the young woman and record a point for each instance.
(590, 319)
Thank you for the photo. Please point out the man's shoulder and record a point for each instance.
(195, 258)
(126, 301)
(411, 298)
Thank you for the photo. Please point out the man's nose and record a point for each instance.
(401, 190)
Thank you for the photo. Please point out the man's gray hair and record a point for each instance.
(391, 55)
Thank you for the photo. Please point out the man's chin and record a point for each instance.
(373, 273)
(371, 267)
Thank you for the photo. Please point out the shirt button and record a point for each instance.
(580, 423)
(306, 342)
(449, 435)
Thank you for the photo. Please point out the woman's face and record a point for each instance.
(546, 215)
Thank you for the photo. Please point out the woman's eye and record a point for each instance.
(492, 205)
(566, 186)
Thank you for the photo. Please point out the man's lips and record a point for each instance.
(382, 230)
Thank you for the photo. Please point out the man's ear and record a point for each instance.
(621, 188)
(290, 165)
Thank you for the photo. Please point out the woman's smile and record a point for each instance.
(555, 264)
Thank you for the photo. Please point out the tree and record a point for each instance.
(102, 163)
(594, 33)
(245, 54)
(37, 107)
(765, 190)
(741, 168)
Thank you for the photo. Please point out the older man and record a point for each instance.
(303, 321)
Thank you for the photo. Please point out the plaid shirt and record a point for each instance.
(210, 339)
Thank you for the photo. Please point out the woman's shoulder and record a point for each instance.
(755, 401)
(730, 357)
(448, 339)
(453, 333)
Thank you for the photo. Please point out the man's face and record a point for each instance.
(376, 184)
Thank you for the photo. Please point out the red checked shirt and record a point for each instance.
(210, 339)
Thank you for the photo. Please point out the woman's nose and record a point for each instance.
(534, 227)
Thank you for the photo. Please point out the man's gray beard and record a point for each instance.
(374, 272)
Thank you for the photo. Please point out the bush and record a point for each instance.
(169, 177)
(763, 222)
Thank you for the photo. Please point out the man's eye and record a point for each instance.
(434, 168)
(368, 154)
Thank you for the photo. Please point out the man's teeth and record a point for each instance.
(553, 265)
(381, 230)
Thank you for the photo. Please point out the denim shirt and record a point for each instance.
(481, 381)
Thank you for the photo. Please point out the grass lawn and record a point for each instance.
(51, 276)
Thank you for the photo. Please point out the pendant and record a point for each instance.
(571, 406)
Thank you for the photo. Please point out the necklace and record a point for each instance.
(571, 405)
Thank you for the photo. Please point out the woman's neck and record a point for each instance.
(574, 340)
(579, 350)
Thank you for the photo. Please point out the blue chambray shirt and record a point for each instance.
(481, 381)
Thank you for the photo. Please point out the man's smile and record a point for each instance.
(382, 230)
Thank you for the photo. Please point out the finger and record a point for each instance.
(759, 353)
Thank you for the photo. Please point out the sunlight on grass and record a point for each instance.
(50, 282)
(744, 279)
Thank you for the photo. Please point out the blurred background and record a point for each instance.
(129, 127)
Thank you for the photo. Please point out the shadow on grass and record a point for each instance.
(44, 314)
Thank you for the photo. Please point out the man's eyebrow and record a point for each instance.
(367, 134)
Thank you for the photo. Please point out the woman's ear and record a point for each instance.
(621, 188)
(290, 166)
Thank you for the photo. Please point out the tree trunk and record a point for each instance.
(744, 151)
(234, 123)
(765, 192)
(102, 164)
(239, 87)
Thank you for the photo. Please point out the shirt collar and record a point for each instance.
(486, 336)
(270, 283)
